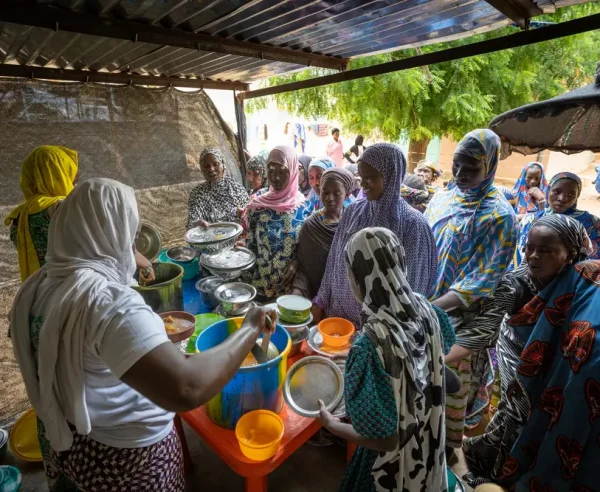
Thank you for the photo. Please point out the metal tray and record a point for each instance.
(309, 380)
(214, 233)
(231, 260)
(148, 242)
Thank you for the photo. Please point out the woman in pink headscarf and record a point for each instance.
(273, 221)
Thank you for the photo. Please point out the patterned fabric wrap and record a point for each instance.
(273, 238)
(475, 231)
(94, 467)
(523, 202)
(589, 221)
(216, 202)
(391, 212)
(558, 447)
(404, 329)
(371, 405)
(38, 230)
(446, 329)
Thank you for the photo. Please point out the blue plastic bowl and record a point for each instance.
(252, 388)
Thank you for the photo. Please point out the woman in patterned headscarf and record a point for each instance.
(555, 243)
(530, 189)
(475, 233)
(256, 172)
(394, 376)
(563, 192)
(382, 168)
(219, 197)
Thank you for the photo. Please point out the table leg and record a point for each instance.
(187, 457)
(350, 448)
(256, 484)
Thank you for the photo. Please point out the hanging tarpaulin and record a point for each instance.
(568, 123)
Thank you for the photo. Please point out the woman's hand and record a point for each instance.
(263, 320)
(318, 313)
(202, 223)
(147, 275)
(536, 194)
(325, 418)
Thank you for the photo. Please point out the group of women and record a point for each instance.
(428, 292)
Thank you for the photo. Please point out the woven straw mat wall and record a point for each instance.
(149, 139)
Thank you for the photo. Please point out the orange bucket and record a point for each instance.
(336, 331)
(259, 434)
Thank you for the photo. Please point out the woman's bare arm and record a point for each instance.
(179, 384)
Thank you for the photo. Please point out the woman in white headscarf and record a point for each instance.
(98, 367)
(394, 381)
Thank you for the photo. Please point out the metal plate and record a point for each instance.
(315, 343)
(214, 233)
(235, 292)
(148, 242)
(309, 380)
(230, 260)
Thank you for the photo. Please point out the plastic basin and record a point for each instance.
(336, 332)
(259, 434)
(256, 387)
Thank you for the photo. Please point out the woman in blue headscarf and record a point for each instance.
(530, 189)
(563, 192)
(475, 232)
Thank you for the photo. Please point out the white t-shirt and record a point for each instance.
(120, 416)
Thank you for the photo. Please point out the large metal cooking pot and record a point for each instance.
(166, 292)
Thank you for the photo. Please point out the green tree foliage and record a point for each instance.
(449, 98)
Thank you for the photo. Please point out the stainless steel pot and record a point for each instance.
(166, 292)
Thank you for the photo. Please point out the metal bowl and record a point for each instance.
(298, 337)
(181, 254)
(235, 297)
(229, 264)
(214, 238)
(148, 242)
(207, 287)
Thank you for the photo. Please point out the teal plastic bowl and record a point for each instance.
(190, 268)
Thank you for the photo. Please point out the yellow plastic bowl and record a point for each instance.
(336, 332)
(24, 438)
(259, 434)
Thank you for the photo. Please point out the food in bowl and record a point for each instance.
(336, 332)
(179, 325)
(169, 325)
(250, 360)
(293, 309)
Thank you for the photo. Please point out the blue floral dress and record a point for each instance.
(371, 406)
(273, 238)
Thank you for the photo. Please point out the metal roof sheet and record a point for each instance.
(331, 31)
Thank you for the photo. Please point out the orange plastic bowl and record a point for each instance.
(259, 434)
(336, 331)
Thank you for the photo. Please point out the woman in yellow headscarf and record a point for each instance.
(47, 177)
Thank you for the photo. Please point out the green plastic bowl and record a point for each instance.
(293, 309)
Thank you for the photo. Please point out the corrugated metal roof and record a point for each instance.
(343, 29)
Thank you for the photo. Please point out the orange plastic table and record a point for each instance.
(297, 430)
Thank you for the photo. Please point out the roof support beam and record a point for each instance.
(523, 38)
(22, 71)
(30, 14)
(519, 11)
